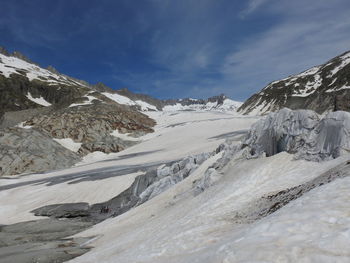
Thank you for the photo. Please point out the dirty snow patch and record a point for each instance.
(124, 136)
(69, 144)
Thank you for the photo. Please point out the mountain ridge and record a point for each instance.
(38, 82)
(321, 88)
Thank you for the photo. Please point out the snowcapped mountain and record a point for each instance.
(147, 103)
(14, 64)
(74, 115)
(217, 103)
(199, 184)
(321, 88)
(25, 85)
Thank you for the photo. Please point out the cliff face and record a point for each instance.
(322, 88)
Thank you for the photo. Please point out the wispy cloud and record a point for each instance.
(253, 5)
(184, 47)
(306, 35)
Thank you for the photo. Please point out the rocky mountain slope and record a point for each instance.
(25, 85)
(322, 88)
(42, 104)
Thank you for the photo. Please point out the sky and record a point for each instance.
(178, 48)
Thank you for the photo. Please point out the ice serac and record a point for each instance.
(285, 130)
(329, 139)
(322, 88)
(169, 175)
(302, 133)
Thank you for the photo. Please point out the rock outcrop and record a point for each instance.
(92, 126)
(27, 150)
(57, 106)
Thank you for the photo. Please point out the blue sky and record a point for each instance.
(178, 48)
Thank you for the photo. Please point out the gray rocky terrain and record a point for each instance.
(33, 150)
(92, 126)
(27, 150)
(51, 106)
(44, 241)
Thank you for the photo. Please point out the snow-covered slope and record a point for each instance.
(178, 226)
(126, 101)
(321, 88)
(176, 136)
(11, 64)
(282, 209)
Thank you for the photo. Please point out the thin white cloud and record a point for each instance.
(304, 38)
(253, 5)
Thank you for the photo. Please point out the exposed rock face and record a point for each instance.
(61, 107)
(92, 126)
(300, 132)
(43, 241)
(101, 87)
(71, 210)
(14, 93)
(27, 150)
(322, 88)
